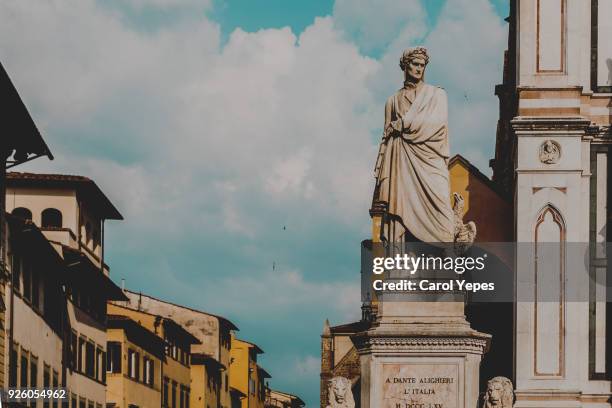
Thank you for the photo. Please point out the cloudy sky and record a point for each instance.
(237, 137)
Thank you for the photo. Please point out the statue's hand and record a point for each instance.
(394, 128)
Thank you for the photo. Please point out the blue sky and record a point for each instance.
(238, 139)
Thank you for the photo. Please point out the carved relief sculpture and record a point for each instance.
(465, 234)
(340, 393)
(499, 394)
(550, 152)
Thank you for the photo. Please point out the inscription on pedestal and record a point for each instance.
(415, 385)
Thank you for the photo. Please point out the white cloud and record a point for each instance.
(375, 24)
(165, 4)
(307, 367)
(286, 292)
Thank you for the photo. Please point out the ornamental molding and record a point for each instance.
(408, 344)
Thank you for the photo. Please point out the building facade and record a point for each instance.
(176, 365)
(213, 333)
(552, 158)
(246, 376)
(70, 212)
(135, 358)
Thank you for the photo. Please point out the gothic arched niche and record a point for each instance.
(549, 327)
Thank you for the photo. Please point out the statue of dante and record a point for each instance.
(412, 166)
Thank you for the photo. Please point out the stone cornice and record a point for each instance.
(473, 345)
(537, 124)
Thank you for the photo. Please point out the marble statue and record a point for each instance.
(412, 167)
(499, 394)
(340, 394)
(465, 234)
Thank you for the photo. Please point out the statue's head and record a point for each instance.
(500, 393)
(413, 63)
(340, 394)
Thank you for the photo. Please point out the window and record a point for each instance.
(174, 394)
(13, 366)
(46, 382)
(82, 402)
(23, 366)
(182, 397)
(88, 234)
(51, 217)
(33, 376)
(98, 364)
(113, 357)
(103, 369)
(73, 350)
(73, 401)
(133, 364)
(22, 212)
(148, 375)
(187, 396)
(81, 355)
(90, 360)
(90, 404)
(165, 391)
(55, 385)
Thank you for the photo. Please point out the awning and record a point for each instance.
(19, 131)
(205, 359)
(82, 271)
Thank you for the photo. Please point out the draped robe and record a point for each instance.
(413, 175)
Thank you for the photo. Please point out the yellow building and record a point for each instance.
(246, 377)
(484, 204)
(210, 381)
(135, 357)
(206, 380)
(176, 368)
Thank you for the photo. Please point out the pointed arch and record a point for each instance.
(549, 293)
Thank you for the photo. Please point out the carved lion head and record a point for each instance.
(499, 394)
(340, 394)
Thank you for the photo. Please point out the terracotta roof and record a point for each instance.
(84, 186)
(19, 133)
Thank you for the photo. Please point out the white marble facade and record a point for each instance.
(561, 131)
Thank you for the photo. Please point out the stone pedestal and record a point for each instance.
(426, 357)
